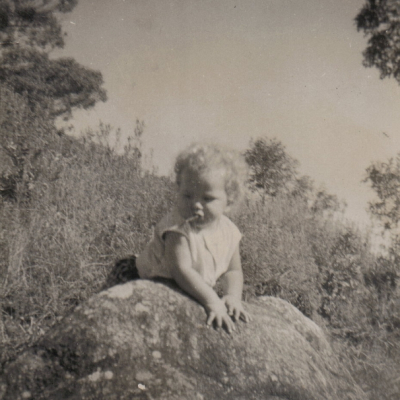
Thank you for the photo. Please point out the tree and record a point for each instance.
(36, 88)
(324, 202)
(29, 31)
(380, 21)
(272, 170)
(32, 22)
(384, 178)
(34, 75)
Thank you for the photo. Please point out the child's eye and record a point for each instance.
(208, 198)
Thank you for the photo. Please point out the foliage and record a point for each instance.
(384, 178)
(23, 136)
(35, 89)
(32, 23)
(377, 351)
(341, 266)
(380, 21)
(322, 201)
(28, 32)
(273, 173)
(60, 85)
(276, 256)
(272, 169)
(70, 207)
(91, 205)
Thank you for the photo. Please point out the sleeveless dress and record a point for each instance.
(211, 250)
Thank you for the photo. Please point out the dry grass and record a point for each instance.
(90, 206)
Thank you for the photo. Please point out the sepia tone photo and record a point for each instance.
(199, 200)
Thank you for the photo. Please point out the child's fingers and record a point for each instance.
(229, 324)
(226, 322)
(245, 316)
(229, 309)
(216, 319)
(211, 318)
(220, 321)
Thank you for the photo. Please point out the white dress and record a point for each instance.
(211, 250)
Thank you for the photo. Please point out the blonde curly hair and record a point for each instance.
(203, 158)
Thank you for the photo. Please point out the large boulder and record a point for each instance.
(148, 340)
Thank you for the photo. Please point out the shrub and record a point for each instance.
(89, 207)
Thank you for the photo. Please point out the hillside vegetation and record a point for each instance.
(72, 207)
(69, 208)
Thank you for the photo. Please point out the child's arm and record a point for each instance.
(179, 262)
(232, 282)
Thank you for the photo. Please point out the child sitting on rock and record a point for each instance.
(196, 243)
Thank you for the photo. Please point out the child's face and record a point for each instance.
(202, 197)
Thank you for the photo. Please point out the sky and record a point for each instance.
(230, 71)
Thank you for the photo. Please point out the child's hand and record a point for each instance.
(235, 308)
(217, 313)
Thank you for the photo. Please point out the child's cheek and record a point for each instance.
(182, 208)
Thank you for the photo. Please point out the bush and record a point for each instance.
(88, 205)
(276, 257)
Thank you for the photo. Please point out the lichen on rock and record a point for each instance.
(148, 340)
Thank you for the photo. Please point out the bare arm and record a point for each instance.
(232, 284)
(232, 280)
(179, 262)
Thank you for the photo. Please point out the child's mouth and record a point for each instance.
(195, 217)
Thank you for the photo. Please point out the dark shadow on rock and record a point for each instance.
(123, 271)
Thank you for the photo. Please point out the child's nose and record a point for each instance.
(197, 205)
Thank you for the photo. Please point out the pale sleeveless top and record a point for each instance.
(211, 251)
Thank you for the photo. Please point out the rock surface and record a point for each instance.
(147, 340)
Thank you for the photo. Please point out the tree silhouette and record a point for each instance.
(380, 21)
(272, 169)
(35, 89)
(384, 178)
(29, 31)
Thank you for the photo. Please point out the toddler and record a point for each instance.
(196, 243)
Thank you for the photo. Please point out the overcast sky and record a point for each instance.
(230, 71)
